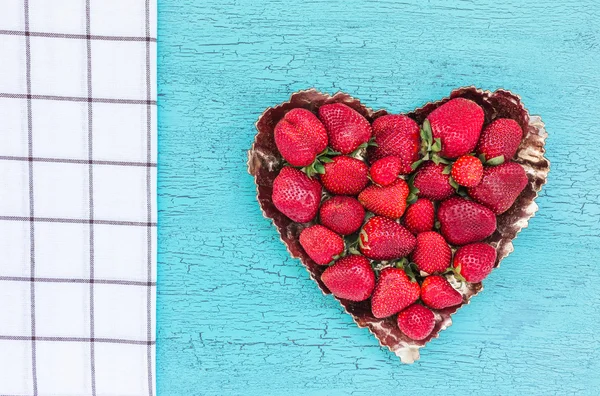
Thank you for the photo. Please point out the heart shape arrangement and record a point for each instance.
(400, 216)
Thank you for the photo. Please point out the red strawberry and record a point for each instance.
(396, 135)
(438, 293)
(385, 171)
(384, 239)
(432, 254)
(467, 171)
(501, 138)
(350, 278)
(388, 201)
(345, 176)
(321, 244)
(300, 137)
(394, 291)
(347, 128)
(296, 195)
(463, 221)
(416, 321)
(457, 123)
(342, 214)
(475, 261)
(500, 186)
(420, 216)
(432, 182)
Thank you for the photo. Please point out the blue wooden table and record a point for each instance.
(237, 316)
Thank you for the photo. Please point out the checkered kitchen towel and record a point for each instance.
(77, 197)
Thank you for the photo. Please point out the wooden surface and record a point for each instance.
(237, 316)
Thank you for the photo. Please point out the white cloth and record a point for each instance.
(77, 197)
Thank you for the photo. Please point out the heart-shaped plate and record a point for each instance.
(265, 161)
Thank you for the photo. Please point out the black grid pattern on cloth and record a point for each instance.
(31, 195)
(92, 221)
(78, 221)
(149, 200)
(76, 98)
(76, 36)
(77, 161)
(91, 192)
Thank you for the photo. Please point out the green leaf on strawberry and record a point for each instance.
(437, 146)
(453, 183)
(401, 263)
(353, 250)
(427, 131)
(412, 198)
(417, 163)
(499, 160)
(413, 194)
(456, 272)
(439, 160)
(319, 168)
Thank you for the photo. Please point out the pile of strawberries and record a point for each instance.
(401, 207)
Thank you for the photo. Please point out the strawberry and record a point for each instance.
(296, 195)
(385, 171)
(501, 138)
(500, 186)
(341, 214)
(393, 292)
(475, 261)
(416, 321)
(345, 175)
(350, 278)
(432, 254)
(396, 135)
(388, 201)
(420, 216)
(463, 221)
(384, 239)
(457, 123)
(467, 171)
(347, 129)
(321, 244)
(432, 182)
(300, 137)
(438, 293)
